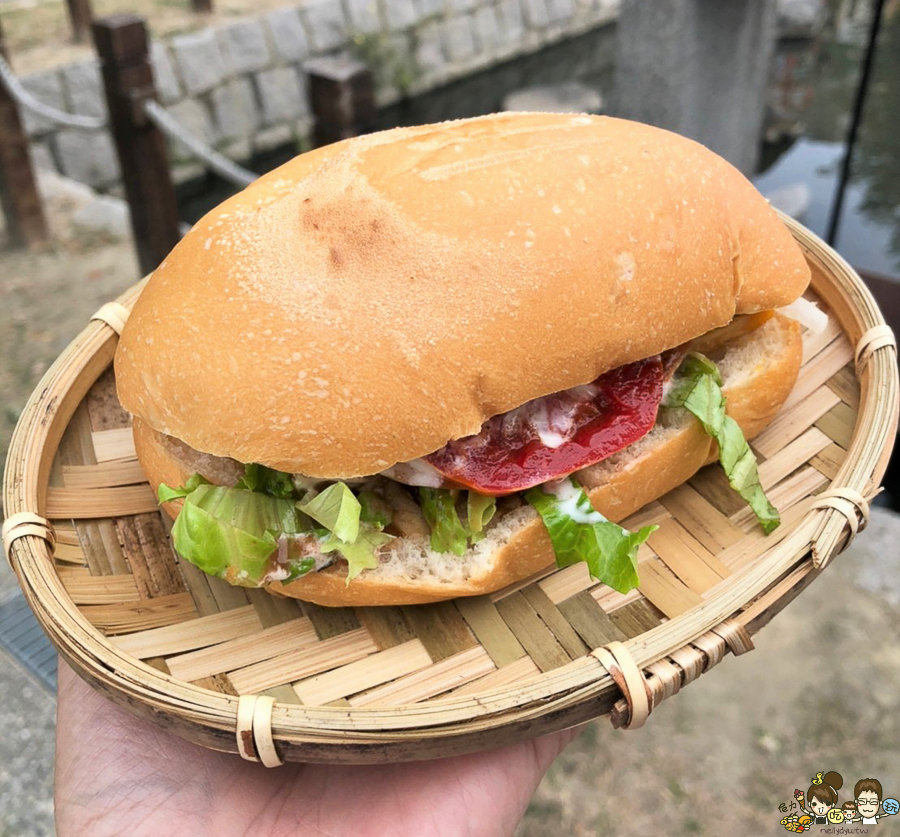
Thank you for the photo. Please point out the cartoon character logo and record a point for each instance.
(869, 798)
(796, 824)
(849, 809)
(819, 805)
(822, 798)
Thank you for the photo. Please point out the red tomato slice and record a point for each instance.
(552, 436)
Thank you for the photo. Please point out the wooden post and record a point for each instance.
(22, 208)
(202, 6)
(123, 47)
(342, 93)
(80, 17)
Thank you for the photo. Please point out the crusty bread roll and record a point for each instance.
(365, 303)
(759, 370)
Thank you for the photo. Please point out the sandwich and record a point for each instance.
(433, 361)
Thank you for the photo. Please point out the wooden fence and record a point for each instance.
(343, 104)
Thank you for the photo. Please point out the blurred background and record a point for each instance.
(122, 123)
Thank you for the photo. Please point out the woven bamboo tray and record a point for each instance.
(243, 671)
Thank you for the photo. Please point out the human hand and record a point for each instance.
(121, 775)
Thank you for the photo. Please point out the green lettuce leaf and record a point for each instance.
(268, 481)
(337, 510)
(698, 388)
(294, 552)
(447, 532)
(580, 533)
(361, 553)
(480, 508)
(165, 493)
(232, 532)
(298, 569)
(353, 525)
(374, 510)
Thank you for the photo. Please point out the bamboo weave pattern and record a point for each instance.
(278, 680)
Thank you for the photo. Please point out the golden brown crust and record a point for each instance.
(353, 308)
(753, 402)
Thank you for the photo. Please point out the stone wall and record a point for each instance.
(241, 86)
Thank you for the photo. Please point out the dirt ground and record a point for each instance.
(820, 692)
(39, 35)
(48, 297)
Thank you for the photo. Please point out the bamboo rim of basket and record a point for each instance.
(822, 531)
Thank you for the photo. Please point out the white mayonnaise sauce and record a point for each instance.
(280, 573)
(553, 423)
(551, 418)
(415, 472)
(549, 438)
(541, 422)
(667, 385)
(567, 497)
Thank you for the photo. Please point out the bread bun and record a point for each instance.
(365, 303)
(759, 370)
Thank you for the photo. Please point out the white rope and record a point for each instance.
(220, 164)
(26, 100)
(158, 115)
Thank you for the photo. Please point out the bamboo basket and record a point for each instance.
(274, 679)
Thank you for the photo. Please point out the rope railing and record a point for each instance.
(26, 100)
(216, 162)
(159, 116)
(138, 126)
